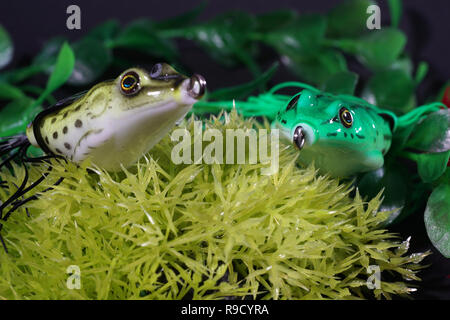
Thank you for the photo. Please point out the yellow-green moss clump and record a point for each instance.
(165, 231)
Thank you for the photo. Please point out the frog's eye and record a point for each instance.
(293, 103)
(346, 117)
(129, 84)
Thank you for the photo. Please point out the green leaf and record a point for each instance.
(300, 45)
(348, 19)
(106, 31)
(302, 36)
(395, 7)
(226, 39)
(400, 138)
(431, 166)
(10, 92)
(142, 35)
(92, 58)
(6, 48)
(35, 90)
(318, 68)
(21, 74)
(15, 116)
(61, 72)
(43, 62)
(445, 178)
(404, 64)
(343, 82)
(182, 20)
(378, 49)
(243, 91)
(393, 179)
(47, 57)
(392, 90)
(381, 48)
(63, 68)
(421, 72)
(433, 133)
(437, 219)
(268, 22)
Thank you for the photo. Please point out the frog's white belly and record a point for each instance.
(112, 140)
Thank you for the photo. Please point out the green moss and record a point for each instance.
(165, 231)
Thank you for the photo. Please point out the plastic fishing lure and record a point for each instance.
(342, 134)
(113, 124)
(116, 121)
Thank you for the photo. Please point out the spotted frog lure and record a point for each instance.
(113, 124)
(117, 121)
(342, 134)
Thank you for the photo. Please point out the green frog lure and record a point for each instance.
(342, 134)
(113, 124)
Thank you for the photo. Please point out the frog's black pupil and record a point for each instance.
(347, 117)
(129, 82)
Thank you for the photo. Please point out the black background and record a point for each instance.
(32, 23)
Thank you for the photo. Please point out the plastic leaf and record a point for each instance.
(61, 72)
(225, 38)
(270, 21)
(391, 179)
(182, 20)
(404, 64)
(393, 90)
(47, 57)
(377, 49)
(431, 166)
(421, 72)
(6, 47)
(395, 8)
(9, 92)
(437, 219)
(63, 68)
(105, 31)
(348, 19)
(300, 37)
(142, 35)
(316, 69)
(242, 91)
(15, 116)
(433, 133)
(342, 83)
(92, 58)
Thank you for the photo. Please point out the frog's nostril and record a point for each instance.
(299, 137)
(197, 86)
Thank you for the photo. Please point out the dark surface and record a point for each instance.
(32, 23)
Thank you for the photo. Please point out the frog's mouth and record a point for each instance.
(197, 86)
(299, 137)
(193, 89)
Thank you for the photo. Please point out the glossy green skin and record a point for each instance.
(334, 148)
